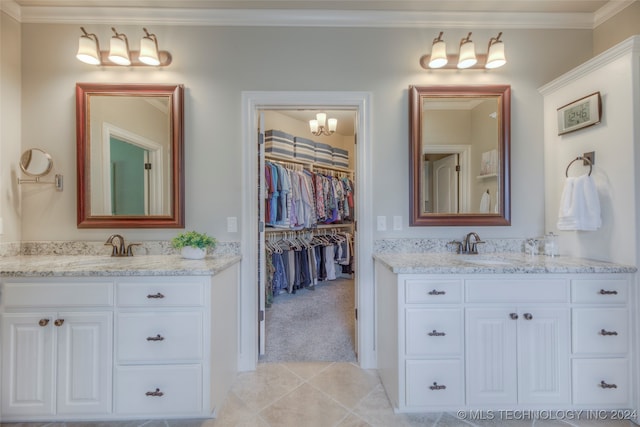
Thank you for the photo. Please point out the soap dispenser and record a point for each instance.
(550, 244)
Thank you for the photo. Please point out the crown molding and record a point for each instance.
(609, 10)
(297, 18)
(632, 44)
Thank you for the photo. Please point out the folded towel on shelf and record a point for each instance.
(579, 205)
(485, 202)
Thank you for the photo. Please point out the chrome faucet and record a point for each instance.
(119, 247)
(471, 248)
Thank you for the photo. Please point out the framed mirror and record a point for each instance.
(130, 155)
(459, 140)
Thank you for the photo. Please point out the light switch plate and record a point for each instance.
(232, 224)
(382, 223)
(397, 222)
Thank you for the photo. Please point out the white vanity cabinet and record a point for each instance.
(56, 348)
(118, 347)
(503, 341)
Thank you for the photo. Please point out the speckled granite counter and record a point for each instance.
(96, 266)
(500, 263)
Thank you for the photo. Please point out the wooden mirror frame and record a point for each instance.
(416, 97)
(175, 219)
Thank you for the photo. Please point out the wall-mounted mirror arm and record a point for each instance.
(37, 163)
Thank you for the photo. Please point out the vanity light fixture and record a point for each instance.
(88, 48)
(495, 53)
(467, 57)
(119, 54)
(119, 49)
(438, 53)
(321, 126)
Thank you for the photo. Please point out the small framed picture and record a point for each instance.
(579, 114)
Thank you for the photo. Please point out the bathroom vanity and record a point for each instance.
(117, 338)
(503, 331)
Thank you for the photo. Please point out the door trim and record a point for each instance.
(248, 312)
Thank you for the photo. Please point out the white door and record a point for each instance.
(445, 176)
(491, 356)
(543, 355)
(84, 362)
(28, 361)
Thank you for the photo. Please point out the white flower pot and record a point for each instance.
(191, 252)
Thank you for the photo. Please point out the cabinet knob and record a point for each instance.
(605, 333)
(435, 292)
(156, 338)
(603, 292)
(156, 393)
(156, 295)
(435, 333)
(437, 386)
(43, 322)
(58, 322)
(605, 385)
(513, 316)
(528, 316)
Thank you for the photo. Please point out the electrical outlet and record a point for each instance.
(232, 224)
(397, 222)
(382, 223)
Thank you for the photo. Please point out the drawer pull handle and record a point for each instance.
(435, 333)
(603, 292)
(158, 295)
(435, 386)
(605, 333)
(513, 316)
(434, 292)
(58, 322)
(156, 338)
(156, 393)
(528, 316)
(43, 322)
(605, 385)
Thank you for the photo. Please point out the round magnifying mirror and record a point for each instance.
(36, 162)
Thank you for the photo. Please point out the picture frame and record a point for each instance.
(579, 114)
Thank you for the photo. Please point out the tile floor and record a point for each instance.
(322, 395)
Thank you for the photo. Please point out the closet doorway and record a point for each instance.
(307, 237)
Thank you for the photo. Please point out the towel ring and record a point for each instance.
(566, 173)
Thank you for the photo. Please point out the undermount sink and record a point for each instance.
(486, 261)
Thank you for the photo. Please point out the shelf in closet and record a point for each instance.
(487, 176)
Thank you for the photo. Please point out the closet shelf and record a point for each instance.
(309, 165)
(318, 227)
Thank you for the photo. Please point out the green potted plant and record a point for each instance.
(193, 245)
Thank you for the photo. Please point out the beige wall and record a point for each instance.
(10, 106)
(616, 29)
(217, 63)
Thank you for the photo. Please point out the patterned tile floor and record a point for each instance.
(328, 394)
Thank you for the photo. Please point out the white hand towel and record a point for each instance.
(579, 205)
(485, 202)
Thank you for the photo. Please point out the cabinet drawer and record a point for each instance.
(160, 294)
(433, 291)
(433, 332)
(165, 336)
(600, 330)
(517, 290)
(73, 294)
(599, 291)
(138, 390)
(591, 377)
(432, 383)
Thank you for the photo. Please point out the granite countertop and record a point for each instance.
(85, 266)
(500, 263)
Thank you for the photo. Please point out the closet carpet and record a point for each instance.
(312, 325)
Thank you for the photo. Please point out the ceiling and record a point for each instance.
(333, 13)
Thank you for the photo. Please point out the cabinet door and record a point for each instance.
(84, 362)
(491, 356)
(543, 355)
(28, 360)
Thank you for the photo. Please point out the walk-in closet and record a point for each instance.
(307, 271)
